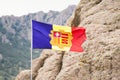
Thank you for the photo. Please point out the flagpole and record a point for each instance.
(31, 48)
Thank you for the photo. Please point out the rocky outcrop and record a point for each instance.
(101, 18)
(24, 75)
(101, 58)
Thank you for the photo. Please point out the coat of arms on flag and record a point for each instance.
(60, 38)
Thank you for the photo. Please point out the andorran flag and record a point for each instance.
(48, 36)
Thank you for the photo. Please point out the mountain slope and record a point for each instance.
(15, 39)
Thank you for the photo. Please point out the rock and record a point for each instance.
(101, 18)
(51, 67)
(24, 75)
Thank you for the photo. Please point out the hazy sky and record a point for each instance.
(22, 7)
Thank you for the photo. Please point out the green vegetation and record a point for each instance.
(14, 59)
(16, 56)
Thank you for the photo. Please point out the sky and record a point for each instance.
(23, 7)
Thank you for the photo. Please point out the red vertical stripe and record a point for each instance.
(79, 37)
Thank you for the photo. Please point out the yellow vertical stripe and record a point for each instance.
(63, 29)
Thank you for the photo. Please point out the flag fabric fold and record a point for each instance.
(56, 37)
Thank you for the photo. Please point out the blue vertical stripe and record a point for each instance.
(40, 36)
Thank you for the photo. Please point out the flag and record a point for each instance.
(56, 37)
